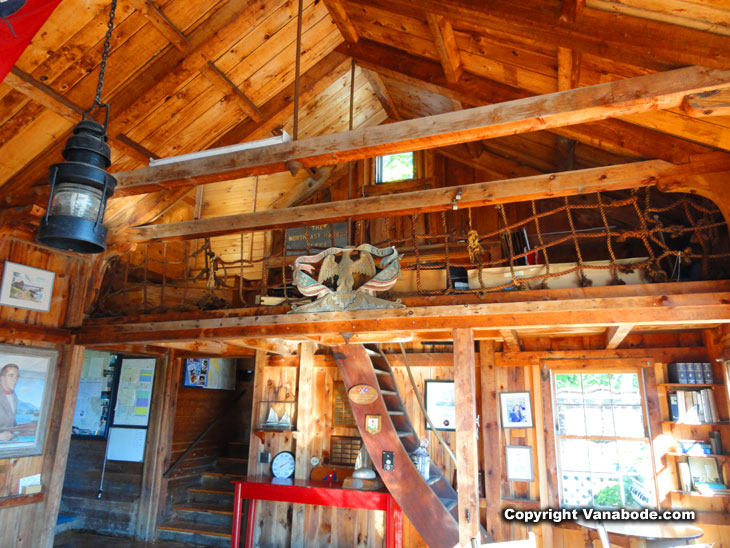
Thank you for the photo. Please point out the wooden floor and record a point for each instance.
(75, 539)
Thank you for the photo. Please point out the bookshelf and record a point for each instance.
(696, 408)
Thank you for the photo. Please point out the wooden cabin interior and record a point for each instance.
(538, 190)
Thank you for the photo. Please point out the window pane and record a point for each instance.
(625, 388)
(629, 421)
(636, 470)
(568, 389)
(571, 420)
(395, 167)
(600, 420)
(574, 476)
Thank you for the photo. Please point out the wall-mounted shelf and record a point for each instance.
(678, 385)
(703, 495)
(705, 456)
(721, 423)
(260, 433)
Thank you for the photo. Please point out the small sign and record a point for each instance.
(362, 393)
(320, 237)
(372, 424)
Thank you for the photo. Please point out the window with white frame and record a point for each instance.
(395, 167)
(603, 450)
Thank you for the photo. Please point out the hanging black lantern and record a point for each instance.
(80, 186)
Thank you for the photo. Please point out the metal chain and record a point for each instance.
(105, 54)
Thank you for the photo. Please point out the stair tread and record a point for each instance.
(213, 491)
(197, 528)
(389, 392)
(396, 412)
(201, 507)
(434, 479)
(402, 434)
(381, 372)
(449, 503)
(222, 475)
(242, 460)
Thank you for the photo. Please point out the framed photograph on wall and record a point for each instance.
(518, 459)
(26, 287)
(441, 405)
(26, 376)
(516, 409)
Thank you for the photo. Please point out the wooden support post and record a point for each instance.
(304, 433)
(56, 454)
(258, 390)
(158, 446)
(542, 463)
(466, 441)
(492, 453)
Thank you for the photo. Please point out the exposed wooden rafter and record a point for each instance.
(342, 20)
(448, 51)
(575, 106)
(584, 181)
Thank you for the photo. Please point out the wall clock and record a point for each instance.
(282, 466)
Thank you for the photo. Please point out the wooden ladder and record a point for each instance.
(431, 505)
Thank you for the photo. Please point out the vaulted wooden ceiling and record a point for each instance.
(187, 76)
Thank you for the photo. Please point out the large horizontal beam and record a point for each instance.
(654, 310)
(570, 183)
(575, 106)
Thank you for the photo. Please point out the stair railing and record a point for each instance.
(192, 446)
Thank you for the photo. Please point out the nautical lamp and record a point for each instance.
(80, 185)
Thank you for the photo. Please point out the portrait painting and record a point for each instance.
(26, 287)
(26, 391)
(516, 409)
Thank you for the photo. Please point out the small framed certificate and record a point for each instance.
(519, 463)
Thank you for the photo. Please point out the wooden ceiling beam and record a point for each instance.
(511, 339)
(224, 84)
(615, 136)
(448, 51)
(342, 20)
(616, 334)
(624, 38)
(161, 22)
(569, 107)
(210, 348)
(667, 310)
(382, 93)
(601, 179)
(711, 103)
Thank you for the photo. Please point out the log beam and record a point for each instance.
(575, 106)
(342, 20)
(711, 103)
(584, 181)
(664, 310)
(448, 51)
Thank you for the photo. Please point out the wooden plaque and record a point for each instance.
(362, 393)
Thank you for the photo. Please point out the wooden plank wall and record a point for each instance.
(276, 377)
(19, 525)
(115, 513)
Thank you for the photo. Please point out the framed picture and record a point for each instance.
(440, 405)
(518, 460)
(26, 376)
(516, 409)
(26, 287)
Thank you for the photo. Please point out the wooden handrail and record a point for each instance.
(182, 457)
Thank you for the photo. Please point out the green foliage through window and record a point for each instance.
(394, 167)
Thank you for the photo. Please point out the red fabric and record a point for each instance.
(26, 23)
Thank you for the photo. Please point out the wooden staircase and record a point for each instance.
(206, 517)
(431, 505)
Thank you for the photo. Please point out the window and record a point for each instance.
(394, 167)
(603, 451)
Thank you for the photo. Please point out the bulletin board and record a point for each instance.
(134, 392)
(96, 394)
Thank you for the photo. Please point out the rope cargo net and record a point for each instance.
(683, 232)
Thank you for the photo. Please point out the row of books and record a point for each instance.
(690, 373)
(702, 475)
(693, 406)
(698, 447)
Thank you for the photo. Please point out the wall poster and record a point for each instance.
(134, 394)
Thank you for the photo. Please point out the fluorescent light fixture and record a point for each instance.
(279, 139)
